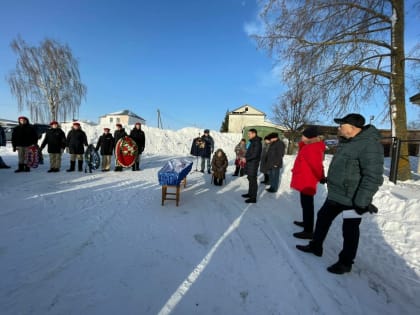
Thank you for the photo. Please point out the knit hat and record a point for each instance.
(138, 124)
(107, 129)
(53, 123)
(119, 125)
(356, 120)
(311, 132)
(76, 124)
(22, 117)
(206, 131)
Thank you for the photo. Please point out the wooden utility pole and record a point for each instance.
(159, 120)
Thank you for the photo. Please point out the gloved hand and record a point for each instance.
(323, 180)
(360, 210)
(370, 208)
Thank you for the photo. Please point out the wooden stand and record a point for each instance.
(177, 192)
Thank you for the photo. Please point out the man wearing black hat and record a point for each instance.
(354, 176)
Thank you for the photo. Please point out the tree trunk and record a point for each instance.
(398, 110)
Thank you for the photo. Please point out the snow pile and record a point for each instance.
(102, 243)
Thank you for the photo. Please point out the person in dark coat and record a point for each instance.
(23, 136)
(240, 151)
(263, 163)
(106, 146)
(118, 134)
(138, 136)
(354, 176)
(2, 144)
(56, 140)
(274, 161)
(252, 156)
(207, 151)
(307, 172)
(219, 165)
(76, 142)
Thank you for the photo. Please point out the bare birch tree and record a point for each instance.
(46, 80)
(295, 108)
(347, 51)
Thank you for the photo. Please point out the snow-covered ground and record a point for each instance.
(102, 243)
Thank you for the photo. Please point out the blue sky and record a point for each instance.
(192, 60)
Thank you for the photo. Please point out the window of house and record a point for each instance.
(111, 119)
(118, 120)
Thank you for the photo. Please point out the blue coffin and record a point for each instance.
(174, 171)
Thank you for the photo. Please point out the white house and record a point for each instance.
(245, 116)
(124, 117)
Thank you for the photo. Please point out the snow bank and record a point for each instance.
(101, 243)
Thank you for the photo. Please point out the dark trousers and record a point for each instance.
(274, 178)
(307, 203)
(253, 187)
(326, 215)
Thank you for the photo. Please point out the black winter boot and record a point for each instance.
(72, 165)
(20, 168)
(133, 167)
(236, 173)
(80, 165)
(242, 172)
(137, 166)
(26, 168)
(266, 179)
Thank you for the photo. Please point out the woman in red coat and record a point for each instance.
(308, 170)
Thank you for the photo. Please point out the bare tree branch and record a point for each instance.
(46, 80)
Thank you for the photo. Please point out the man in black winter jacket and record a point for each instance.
(207, 150)
(274, 161)
(138, 136)
(56, 140)
(23, 136)
(252, 156)
(106, 144)
(76, 142)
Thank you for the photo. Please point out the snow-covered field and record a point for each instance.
(102, 243)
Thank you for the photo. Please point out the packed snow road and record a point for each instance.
(101, 243)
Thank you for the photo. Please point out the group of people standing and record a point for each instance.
(267, 158)
(354, 176)
(24, 135)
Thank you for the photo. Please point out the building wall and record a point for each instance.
(237, 122)
(124, 120)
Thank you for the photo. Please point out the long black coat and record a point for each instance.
(138, 136)
(24, 135)
(56, 140)
(106, 143)
(275, 155)
(76, 141)
(253, 156)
